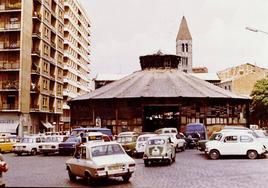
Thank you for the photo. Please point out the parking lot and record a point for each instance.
(191, 169)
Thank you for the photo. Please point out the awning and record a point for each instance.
(8, 126)
(47, 125)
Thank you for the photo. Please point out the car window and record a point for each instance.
(216, 136)
(123, 139)
(230, 139)
(2, 140)
(26, 140)
(245, 138)
(156, 142)
(173, 131)
(104, 150)
(166, 131)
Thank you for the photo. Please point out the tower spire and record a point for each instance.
(184, 33)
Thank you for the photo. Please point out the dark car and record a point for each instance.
(68, 146)
(190, 142)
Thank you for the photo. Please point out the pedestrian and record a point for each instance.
(3, 168)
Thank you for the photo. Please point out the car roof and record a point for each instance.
(235, 127)
(93, 134)
(159, 137)
(236, 133)
(92, 144)
(149, 134)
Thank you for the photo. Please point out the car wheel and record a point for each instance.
(214, 154)
(72, 177)
(177, 148)
(252, 154)
(146, 163)
(126, 177)
(183, 147)
(45, 154)
(33, 151)
(170, 160)
(19, 154)
(89, 179)
(174, 159)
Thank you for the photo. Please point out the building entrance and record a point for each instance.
(156, 117)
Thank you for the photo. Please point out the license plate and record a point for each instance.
(117, 167)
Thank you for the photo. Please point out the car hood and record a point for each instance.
(112, 159)
(212, 142)
(263, 140)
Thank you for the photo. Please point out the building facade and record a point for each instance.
(31, 65)
(76, 56)
(242, 78)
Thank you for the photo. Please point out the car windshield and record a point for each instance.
(51, 139)
(215, 136)
(103, 150)
(143, 138)
(26, 140)
(72, 139)
(261, 133)
(156, 142)
(123, 139)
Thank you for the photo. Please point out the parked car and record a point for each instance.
(128, 141)
(6, 145)
(100, 160)
(159, 149)
(95, 136)
(51, 144)
(235, 143)
(179, 143)
(68, 146)
(28, 145)
(190, 142)
(166, 130)
(141, 144)
(201, 144)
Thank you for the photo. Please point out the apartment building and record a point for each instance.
(76, 56)
(33, 67)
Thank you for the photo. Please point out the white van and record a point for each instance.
(166, 130)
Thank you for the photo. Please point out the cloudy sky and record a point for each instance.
(123, 30)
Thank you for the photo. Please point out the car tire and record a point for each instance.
(89, 179)
(33, 151)
(72, 177)
(19, 154)
(126, 177)
(183, 147)
(174, 159)
(177, 148)
(146, 163)
(252, 154)
(170, 160)
(214, 154)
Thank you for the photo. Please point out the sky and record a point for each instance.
(123, 30)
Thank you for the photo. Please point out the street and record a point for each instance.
(191, 169)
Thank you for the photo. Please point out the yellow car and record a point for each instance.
(6, 145)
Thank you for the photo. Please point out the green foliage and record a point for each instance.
(259, 96)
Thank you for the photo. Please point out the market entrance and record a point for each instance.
(156, 117)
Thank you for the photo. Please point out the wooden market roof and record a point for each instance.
(159, 83)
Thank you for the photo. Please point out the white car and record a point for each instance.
(141, 144)
(159, 149)
(179, 143)
(235, 143)
(98, 160)
(28, 144)
(50, 144)
(166, 130)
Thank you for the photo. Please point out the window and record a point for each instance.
(46, 33)
(46, 15)
(44, 102)
(182, 47)
(45, 67)
(83, 153)
(245, 138)
(45, 84)
(186, 47)
(230, 139)
(46, 49)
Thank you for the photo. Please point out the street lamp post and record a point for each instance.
(256, 30)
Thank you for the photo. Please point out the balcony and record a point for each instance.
(37, 34)
(10, 107)
(10, 27)
(35, 88)
(9, 66)
(36, 52)
(10, 85)
(10, 7)
(37, 15)
(34, 108)
(9, 46)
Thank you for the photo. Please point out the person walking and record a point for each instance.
(3, 168)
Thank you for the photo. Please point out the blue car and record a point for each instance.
(68, 146)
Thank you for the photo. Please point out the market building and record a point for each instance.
(159, 95)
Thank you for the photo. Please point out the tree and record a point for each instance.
(259, 105)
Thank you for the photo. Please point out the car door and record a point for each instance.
(246, 143)
(230, 145)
